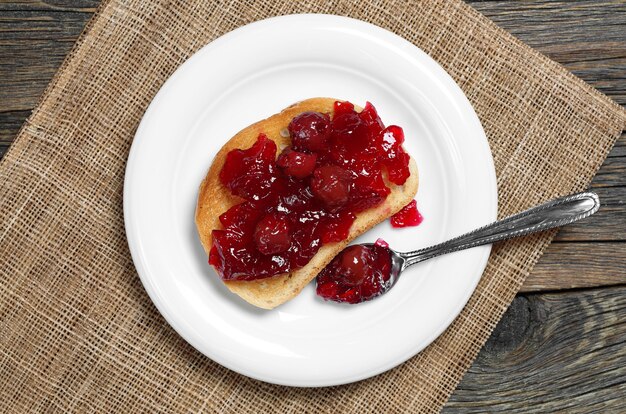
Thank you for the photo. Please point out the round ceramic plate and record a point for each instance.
(248, 75)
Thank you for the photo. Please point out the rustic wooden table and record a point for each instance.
(562, 344)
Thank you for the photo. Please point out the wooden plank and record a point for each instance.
(33, 45)
(65, 6)
(578, 265)
(608, 224)
(551, 353)
(612, 173)
(10, 124)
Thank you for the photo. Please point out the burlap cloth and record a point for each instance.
(79, 333)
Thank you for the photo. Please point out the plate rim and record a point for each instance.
(131, 235)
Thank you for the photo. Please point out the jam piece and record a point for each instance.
(296, 164)
(240, 220)
(309, 131)
(308, 196)
(371, 118)
(368, 190)
(272, 234)
(397, 168)
(408, 216)
(296, 198)
(340, 108)
(235, 259)
(251, 173)
(215, 258)
(392, 137)
(306, 240)
(381, 242)
(331, 184)
(358, 273)
(351, 134)
(397, 160)
(337, 227)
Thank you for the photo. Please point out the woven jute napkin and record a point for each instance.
(79, 333)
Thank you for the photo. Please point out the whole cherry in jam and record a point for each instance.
(309, 131)
(354, 265)
(357, 274)
(296, 164)
(331, 184)
(308, 195)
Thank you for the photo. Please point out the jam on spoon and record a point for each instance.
(359, 273)
(364, 271)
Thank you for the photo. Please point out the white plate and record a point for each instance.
(254, 72)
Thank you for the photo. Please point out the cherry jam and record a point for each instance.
(408, 216)
(359, 273)
(309, 195)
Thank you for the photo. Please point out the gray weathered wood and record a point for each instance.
(63, 6)
(562, 352)
(579, 265)
(10, 124)
(608, 224)
(612, 173)
(33, 43)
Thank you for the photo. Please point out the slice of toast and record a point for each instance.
(214, 199)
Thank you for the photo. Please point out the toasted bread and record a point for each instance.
(214, 199)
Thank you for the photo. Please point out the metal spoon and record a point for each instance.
(555, 213)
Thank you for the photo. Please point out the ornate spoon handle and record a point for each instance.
(555, 213)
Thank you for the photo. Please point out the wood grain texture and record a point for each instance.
(562, 352)
(34, 39)
(579, 265)
(10, 124)
(63, 6)
(608, 224)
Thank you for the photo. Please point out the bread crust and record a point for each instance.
(214, 199)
